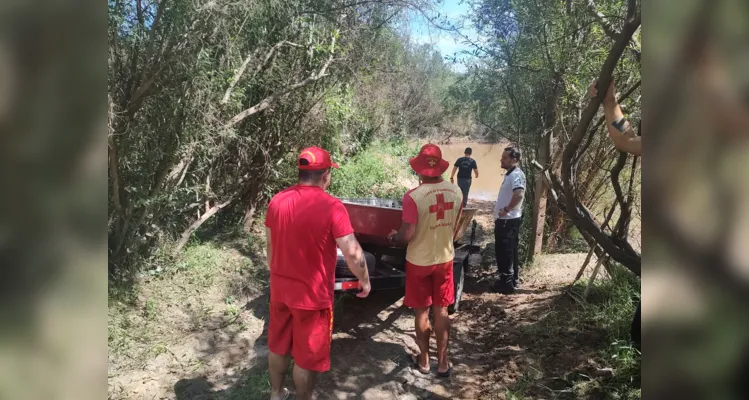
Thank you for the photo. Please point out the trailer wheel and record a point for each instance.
(458, 281)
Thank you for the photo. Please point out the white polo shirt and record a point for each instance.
(515, 179)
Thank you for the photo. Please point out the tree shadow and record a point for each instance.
(537, 346)
(502, 342)
(356, 322)
(195, 388)
(252, 384)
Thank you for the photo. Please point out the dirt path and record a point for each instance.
(489, 347)
(499, 343)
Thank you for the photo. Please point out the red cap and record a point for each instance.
(429, 161)
(316, 159)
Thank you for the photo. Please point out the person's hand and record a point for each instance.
(593, 91)
(503, 213)
(365, 289)
(392, 234)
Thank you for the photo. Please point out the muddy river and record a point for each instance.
(487, 158)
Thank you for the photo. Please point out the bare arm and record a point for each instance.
(268, 246)
(405, 234)
(623, 136)
(452, 175)
(476, 171)
(517, 197)
(354, 256)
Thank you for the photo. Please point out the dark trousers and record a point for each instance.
(465, 185)
(637, 326)
(506, 233)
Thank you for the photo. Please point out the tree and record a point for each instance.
(209, 102)
(530, 87)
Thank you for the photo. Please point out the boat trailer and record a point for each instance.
(372, 219)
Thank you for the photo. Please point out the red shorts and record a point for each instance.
(305, 334)
(429, 285)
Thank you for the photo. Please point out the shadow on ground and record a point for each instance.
(500, 345)
(244, 383)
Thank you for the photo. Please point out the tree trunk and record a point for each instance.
(249, 216)
(577, 212)
(544, 158)
(559, 226)
(539, 202)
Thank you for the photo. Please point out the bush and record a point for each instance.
(611, 306)
(381, 170)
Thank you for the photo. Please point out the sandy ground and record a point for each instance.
(493, 344)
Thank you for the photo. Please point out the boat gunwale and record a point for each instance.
(349, 200)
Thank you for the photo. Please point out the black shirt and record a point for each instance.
(465, 166)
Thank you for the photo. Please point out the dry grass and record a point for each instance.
(178, 303)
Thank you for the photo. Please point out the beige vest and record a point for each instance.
(439, 206)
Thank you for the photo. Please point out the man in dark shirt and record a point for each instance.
(464, 166)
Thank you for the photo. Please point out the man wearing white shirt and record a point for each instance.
(508, 213)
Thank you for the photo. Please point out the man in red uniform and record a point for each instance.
(303, 226)
(430, 215)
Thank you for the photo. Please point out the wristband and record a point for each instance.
(619, 124)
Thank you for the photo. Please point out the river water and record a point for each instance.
(487, 158)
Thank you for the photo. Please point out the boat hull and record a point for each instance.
(373, 219)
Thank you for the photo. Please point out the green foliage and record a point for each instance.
(209, 106)
(205, 284)
(571, 242)
(382, 170)
(347, 129)
(610, 308)
(608, 311)
(531, 84)
(611, 303)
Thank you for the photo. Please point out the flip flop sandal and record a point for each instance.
(286, 394)
(445, 374)
(415, 365)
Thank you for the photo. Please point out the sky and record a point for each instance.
(422, 31)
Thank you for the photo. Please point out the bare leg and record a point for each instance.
(423, 331)
(278, 365)
(304, 381)
(442, 331)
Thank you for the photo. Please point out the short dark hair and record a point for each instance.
(312, 176)
(468, 151)
(514, 153)
(307, 175)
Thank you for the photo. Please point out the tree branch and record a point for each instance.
(601, 120)
(607, 26)
(547, 180)
(579, 215)
(619, 230)
(185, 237)
(631, 9)
(266, 102)
(630, 195)
(139, 13)
(236, 77)
(115, 177)
(272, 52)
(145, 83)
(611, 30)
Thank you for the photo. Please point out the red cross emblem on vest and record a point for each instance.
(440, 206)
